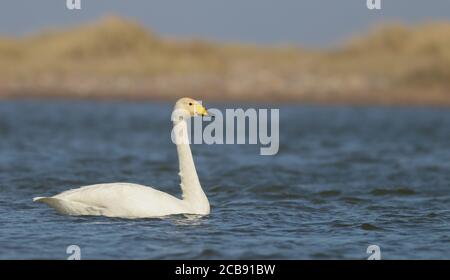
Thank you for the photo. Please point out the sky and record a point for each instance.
(311, 23)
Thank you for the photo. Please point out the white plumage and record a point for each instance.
(136, 201)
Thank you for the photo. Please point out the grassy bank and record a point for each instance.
(116, 58)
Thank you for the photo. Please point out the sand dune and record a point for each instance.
(118, 59)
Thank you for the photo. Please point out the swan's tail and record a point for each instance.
(69, 207)
(50, 201)
(56, 203)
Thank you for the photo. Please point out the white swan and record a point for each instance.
(137, 201)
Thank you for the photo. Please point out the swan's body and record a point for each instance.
(137, 201)
(116, 200)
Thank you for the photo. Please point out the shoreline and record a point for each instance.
(282, 101)
(117, 59)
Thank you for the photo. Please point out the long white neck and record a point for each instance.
(193, 193)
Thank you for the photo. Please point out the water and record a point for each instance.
(344, 178)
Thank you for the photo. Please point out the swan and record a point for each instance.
(126, 200)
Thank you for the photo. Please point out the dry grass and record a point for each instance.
(116, 58)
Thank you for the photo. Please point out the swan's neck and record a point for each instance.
(193, 193)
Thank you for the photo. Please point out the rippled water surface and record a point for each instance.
(344, 178)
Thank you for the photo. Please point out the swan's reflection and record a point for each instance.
(188, 219)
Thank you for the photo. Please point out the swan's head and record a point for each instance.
(191, 107)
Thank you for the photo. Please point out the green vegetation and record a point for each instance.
(116, 58)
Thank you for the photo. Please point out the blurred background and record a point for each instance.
(86, 97)
(256, 50)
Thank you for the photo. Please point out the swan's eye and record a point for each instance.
(190, 103)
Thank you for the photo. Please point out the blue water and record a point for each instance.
(344, 178)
